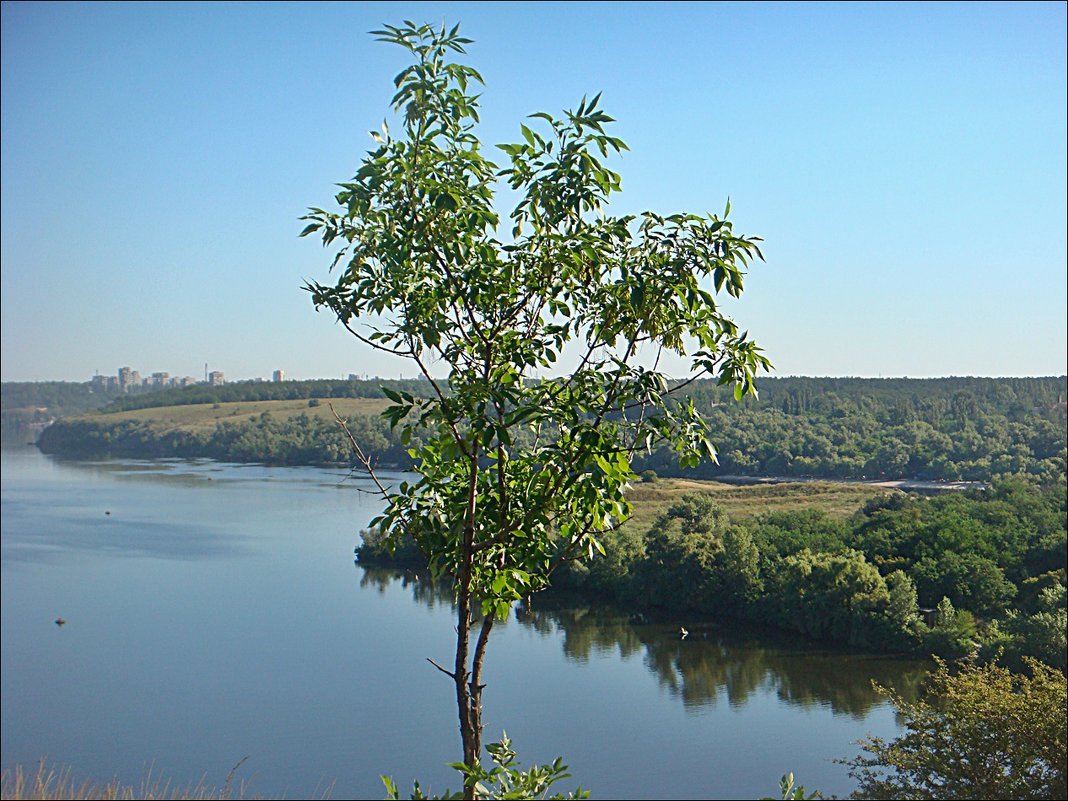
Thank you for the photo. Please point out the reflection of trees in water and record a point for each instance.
(425, 590)
(704, 666)
(585, 630)
(697, 670)
(844, 680)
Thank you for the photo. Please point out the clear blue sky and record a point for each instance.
(904, 163)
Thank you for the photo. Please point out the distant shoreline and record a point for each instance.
(906, 484)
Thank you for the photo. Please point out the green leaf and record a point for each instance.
(528, 135)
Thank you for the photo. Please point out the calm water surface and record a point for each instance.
(214, 612)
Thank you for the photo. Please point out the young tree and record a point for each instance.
(518, 472)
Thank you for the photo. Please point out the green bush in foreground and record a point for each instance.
(504, 781)
(981, 733)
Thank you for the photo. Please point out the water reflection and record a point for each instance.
(708, 666)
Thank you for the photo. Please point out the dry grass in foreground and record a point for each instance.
(56, 783)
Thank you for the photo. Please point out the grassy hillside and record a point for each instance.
(295, 431)
(205, 416)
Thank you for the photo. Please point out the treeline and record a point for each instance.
(268, 391)
(889, 401)
(948, 429)
(951, 574)
(769, 442)
(298, 439)
(25, 403)
(60, 397)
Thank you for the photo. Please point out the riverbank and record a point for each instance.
(854, 566)
(926, 434)
(904, 484)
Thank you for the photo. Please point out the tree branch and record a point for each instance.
(448, 673)
(360, 455)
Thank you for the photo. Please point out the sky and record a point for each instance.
(904, 163)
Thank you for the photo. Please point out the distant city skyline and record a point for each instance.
(904, 163)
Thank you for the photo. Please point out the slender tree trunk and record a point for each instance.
(460, 677)
(470, 731)
(476, 685)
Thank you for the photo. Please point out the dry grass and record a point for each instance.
(196, 416)
(743, 503)
(56, 783)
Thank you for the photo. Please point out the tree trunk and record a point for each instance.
(469, 737)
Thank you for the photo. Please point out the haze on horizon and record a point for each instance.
(905, 165)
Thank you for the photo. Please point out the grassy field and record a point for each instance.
(207, 415)
(746, 502)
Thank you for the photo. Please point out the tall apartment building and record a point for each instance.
(160, 379)
(278, 376)
(216, 378)
(128, 379)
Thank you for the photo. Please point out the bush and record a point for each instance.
(981, 733)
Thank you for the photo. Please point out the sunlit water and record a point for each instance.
(214, 612)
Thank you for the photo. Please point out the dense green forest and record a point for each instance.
(953, 428)
(951, 574)
(949, 428)
(25, 403)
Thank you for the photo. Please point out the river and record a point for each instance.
(214, 612)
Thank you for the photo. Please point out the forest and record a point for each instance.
(974, 429)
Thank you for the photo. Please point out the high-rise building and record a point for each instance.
(125, 378)
(216, 378)
(160, 379)
(278, 376)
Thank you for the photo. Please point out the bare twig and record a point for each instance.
(363, 458)
(448, 673)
